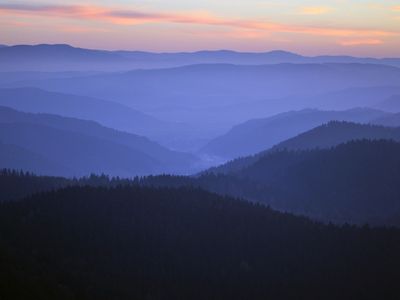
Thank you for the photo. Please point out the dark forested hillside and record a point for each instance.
(357, 182)
(15, 185)
(335, 133)
(324, 136)
(146, 243)
(258, 135)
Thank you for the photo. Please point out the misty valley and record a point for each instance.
(198, 175)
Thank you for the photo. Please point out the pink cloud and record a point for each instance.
(361, 42)
(81, 29)
(133, 17)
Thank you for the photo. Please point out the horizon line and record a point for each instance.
(196, 51)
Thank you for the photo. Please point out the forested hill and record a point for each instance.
(15, 185)
(356, 182)
(254, 136)
(148, 243)
(335, 133)
(324, 136)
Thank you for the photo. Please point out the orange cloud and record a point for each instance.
(133, 17)
(396, 8)
(361, 42)
(315, 10)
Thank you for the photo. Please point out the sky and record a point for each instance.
(359, 27)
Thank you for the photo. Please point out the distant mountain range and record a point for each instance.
(212, 96)
(338, 172)
(65, 57)
(184, 107)
(81, 147)
(7, 77)
(110, 114)
(340, 99)
(257, 135)
(55, 58)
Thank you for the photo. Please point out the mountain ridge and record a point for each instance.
(145, 59)
(321, 137)
(185, 243)
(199, 94)
(260, 134)
(108, 113)
(89, 133)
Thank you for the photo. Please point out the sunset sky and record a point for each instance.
(358, 27)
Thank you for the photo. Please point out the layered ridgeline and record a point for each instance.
(108, 113)
(56, 58)
(208, 95)
(18, 184)
(147, 243)
(324, 136)
(65, 57)
(257, 135)
(50, 144)
(202, 93)
(357, 181)
(354, 182)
